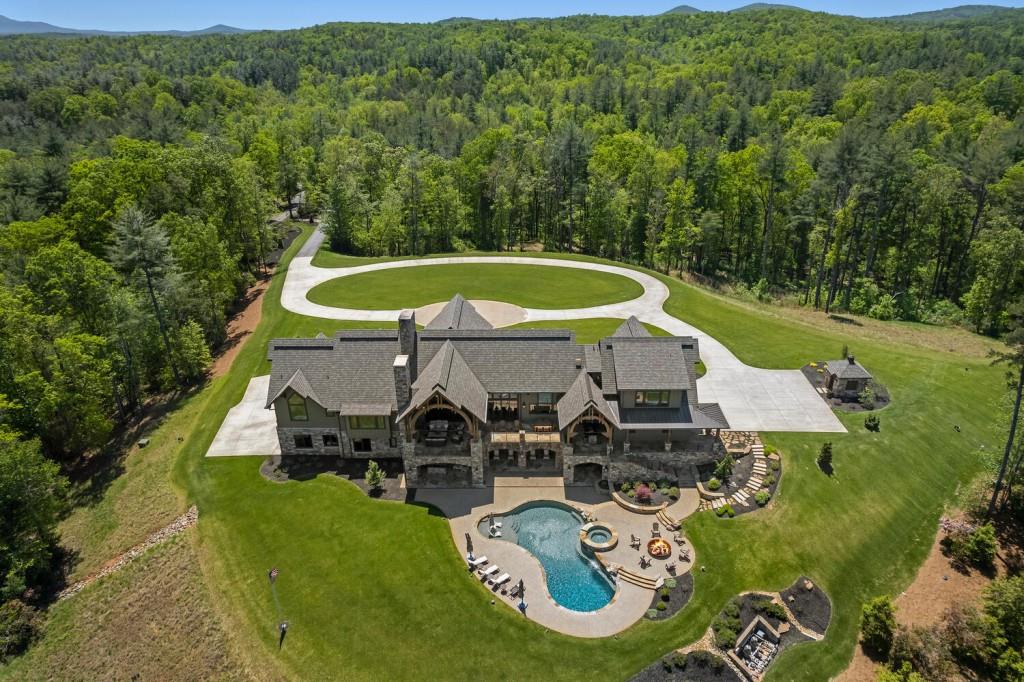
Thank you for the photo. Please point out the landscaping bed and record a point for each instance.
(674, 595)
(742, 610)
(304, 468)
(811, 607)
(742, 471)
(658, 493)
(696, 666)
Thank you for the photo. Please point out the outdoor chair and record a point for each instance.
(678, 537)
(654, 530)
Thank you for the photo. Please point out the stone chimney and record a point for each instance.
(407, 338)
(403, 381)
(850, 358)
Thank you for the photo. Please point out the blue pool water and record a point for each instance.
(551, 532)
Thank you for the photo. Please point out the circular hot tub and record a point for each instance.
(599, 537)
(659, 548)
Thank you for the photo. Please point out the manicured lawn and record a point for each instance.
(376, 589)
(531, 286)
(587, 331)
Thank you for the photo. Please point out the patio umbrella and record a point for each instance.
(522, 589)
(469, 544)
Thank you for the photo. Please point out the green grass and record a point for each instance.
(587, 331)
(531, 286)
(377, 590)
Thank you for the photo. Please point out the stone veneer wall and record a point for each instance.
(380, 444)
(286, 436)
(413, 460)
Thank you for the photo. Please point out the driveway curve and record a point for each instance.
(752, 398)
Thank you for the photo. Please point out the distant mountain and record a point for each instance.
(456, 20)
(766, 5)
(10, 26)
(952, 13)
(684, 9)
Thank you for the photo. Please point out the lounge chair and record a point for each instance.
(479, 561)
(490, 571)
(514, 592)
(503, 578)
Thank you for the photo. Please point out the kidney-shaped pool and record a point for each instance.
(551, 532)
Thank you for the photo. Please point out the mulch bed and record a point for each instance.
(678, 597)
(697, 669)
(811, 607)
(303, 468)
(817, 380)
(747, 614)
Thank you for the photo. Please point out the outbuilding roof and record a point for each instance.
(847, 368)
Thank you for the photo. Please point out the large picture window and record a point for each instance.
(545, 404)
(297, 410)
(366, 423)
(503, 406)
(652, 398)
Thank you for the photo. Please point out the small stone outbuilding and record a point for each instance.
(846, 379)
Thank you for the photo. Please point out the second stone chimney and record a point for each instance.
(407, 339)
(403, 381)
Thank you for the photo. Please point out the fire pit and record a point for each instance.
(659, 548)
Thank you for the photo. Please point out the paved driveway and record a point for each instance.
(752, 398)
(248, 428)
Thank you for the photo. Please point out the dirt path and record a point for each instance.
(936, 587)
(241, 326)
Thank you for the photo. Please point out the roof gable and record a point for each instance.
(459, 313)
(448, 375)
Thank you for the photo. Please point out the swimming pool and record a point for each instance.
(551, 532)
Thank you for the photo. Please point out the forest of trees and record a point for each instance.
(864, 166)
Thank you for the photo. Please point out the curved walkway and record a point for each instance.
(753, 399)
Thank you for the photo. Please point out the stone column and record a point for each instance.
(522, 449)
(476, 462)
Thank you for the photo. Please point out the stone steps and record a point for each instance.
(667, 521)
(638, 579)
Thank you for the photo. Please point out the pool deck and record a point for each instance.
(464, 508)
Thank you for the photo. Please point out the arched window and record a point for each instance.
(297, 408)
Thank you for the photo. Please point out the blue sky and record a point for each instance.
(192, 14)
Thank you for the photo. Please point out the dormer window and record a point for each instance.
(297, 411)
(651, 398)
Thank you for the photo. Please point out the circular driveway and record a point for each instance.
(752, 399)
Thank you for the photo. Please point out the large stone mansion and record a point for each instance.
(458, 399)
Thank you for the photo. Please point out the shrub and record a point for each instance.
(771, 450)
(867, 397)
(374, 475)
(679, 660)
(730, 512)
(768, 481)
(17, 628)
(663, 483)
(825, 457)
(673, 492)
(723, 469)
(878, 624)
(666, 664)
(643, 493)
(871, 423)
(762, 497)
(665, 593)
(968, 544)
(714, 484)
(661, 606)
(770, 608)
(652, 613)
(671, 583)
(632, 494)
(626, 487)
(774, 464)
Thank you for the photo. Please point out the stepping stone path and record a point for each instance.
(744, 495)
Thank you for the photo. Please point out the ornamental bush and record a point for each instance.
(825, 458)
(723, 469)
(878, 624)
(374, 475)
(626, 487)
(661, 606)
(714, 484)
(673, 492)
(762, 497)
(643, 493)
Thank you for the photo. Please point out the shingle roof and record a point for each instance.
(512, 361)
(702, 416)
(354, 366)
(632, 327)
(645, 363)
(847, 369)
(298, 383)
(448, 375)
(459, 313)
(582, 395)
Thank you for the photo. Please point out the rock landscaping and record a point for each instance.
(756, 470)
(673, 596)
